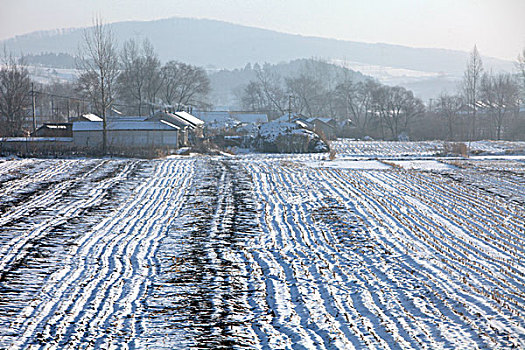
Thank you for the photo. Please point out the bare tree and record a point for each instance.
(448, 107)
(396, 107)
(313, 87)
(271, 86)
(153, 74)
(15, 99)
(354, 101)
(252, 98)
(184, 84)
(310, 97)
(471, 87)
(140, 80)
(100, 65)
(131, 81)
(500, 95)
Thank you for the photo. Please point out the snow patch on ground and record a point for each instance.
(422, 164)
(349, 164)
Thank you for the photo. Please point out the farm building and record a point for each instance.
(217, 119)
(54, 130)
(229, 120)
(323, 126)
(126, 134)
(196, 123)
(185, 127)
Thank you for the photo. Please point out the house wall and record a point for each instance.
(87, 139)
(325, 129)
(127, 138)
(142, 138)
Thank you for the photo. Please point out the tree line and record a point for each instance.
(485, 105)
(129, 81)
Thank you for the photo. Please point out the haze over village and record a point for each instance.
(262, 174)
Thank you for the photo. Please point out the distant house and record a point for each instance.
(126, 134)
(185, 127)
(217, 119)
(54, 130)
(231, 119)
(197, 124)
(324, 126)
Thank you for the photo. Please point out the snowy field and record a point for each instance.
(386, 247)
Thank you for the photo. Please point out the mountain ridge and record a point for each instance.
(210, 42)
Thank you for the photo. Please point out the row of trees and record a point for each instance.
(15, 85)
(134, 76)
(313, 92)
(486, 104)
(483, 97)
(130, 80)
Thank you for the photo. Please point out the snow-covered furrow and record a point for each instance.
(92, 300)
(88, 202)
(504, 179)
(29, 194)
(384, 148)
(260, 252)
(411, 238)
(41, 172)
(426, 148)
(14, 165)
(304, 301)
(11, 250)
(469, 242)
(486, 236)
(402, 280)
(377, 307)
(204, 269)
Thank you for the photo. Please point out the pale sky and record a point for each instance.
(496, 26)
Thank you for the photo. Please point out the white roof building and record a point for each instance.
(190, 118)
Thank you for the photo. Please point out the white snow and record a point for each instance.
(265, 251)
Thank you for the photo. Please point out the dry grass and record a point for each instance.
(455, 148)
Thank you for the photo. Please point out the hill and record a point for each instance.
(225, 45)
(219, 45)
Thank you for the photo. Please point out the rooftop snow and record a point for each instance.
(192, 119)
(91, 117)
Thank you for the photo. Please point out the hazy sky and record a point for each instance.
(496, 26)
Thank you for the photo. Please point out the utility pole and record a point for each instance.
(33, 106)
(289, 108)
(68, 116)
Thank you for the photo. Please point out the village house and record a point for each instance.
(191, 127)
(326, 127)
(54, 130)
(185, 127)
(198, 124)
(224, 120)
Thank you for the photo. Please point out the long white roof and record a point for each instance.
(192, 119)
